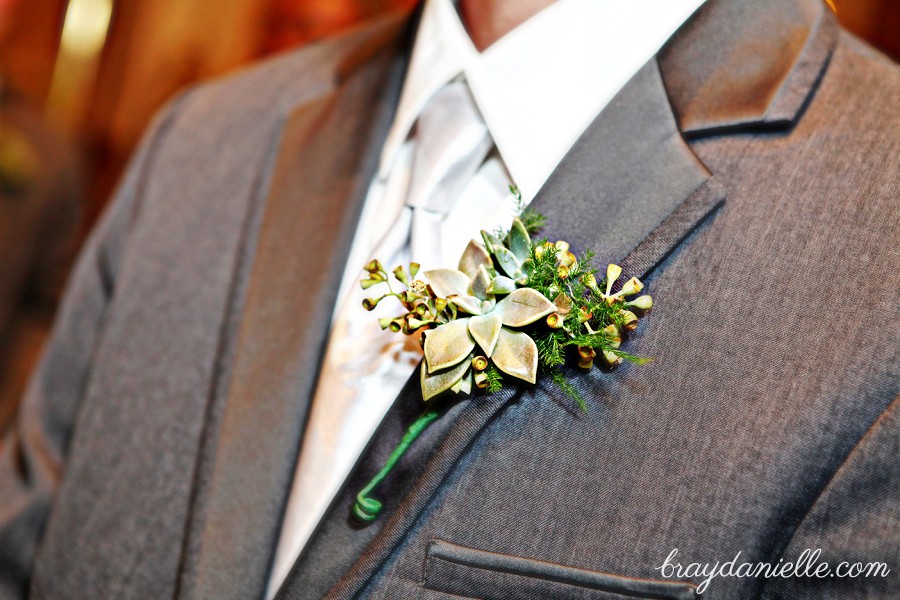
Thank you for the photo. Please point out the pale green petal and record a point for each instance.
(434, 384)
(519, 240)
(447, 345)
(473, 257)
(523, 306)
(508, 262)
(467, 304)
(448, 282)
(516, 355)
(481, 283)
(464, 385)
(501, 285)
(490, 240)
(486, 331)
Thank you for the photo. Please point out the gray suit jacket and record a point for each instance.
(749, 173)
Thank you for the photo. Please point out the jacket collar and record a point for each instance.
(746, 66)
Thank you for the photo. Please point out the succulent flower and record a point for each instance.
(510, 257)
(490, 322)
(472, 317)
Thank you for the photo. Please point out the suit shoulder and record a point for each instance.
(864, 83)
(871, 58)
(268, 90)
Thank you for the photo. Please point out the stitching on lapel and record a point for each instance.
(801, 85)
(669, 234)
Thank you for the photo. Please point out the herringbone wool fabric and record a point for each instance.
(749, 173)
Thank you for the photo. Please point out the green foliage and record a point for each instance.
(566, 386)
(551, 347)
(601, 339)
(494, 379)
(532, 220)
(633, 358)
(586, 311)
(589, 320)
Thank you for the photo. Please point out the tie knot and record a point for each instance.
(449, 115)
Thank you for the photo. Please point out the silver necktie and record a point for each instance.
(452, 142)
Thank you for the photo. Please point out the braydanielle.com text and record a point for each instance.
(806, 565)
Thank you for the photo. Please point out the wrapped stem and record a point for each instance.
(367, 507)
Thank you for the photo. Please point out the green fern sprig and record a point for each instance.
(590, 318)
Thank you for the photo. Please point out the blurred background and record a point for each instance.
(79, 82)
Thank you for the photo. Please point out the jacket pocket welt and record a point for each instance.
(471, 573)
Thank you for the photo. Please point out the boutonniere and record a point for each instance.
(514, 309)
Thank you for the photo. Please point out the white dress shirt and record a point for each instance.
(537, 88)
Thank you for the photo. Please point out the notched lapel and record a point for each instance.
(747, 66)
(675, 229)
(631, 189)
(328, 153)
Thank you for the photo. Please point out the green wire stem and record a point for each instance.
(367, 507)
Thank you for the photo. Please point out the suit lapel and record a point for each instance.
(633, 190)
(626, 176)
(739, 67)
(328, 153)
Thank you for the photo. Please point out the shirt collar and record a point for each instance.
(539, 86)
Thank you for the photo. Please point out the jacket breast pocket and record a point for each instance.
(471, 573)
